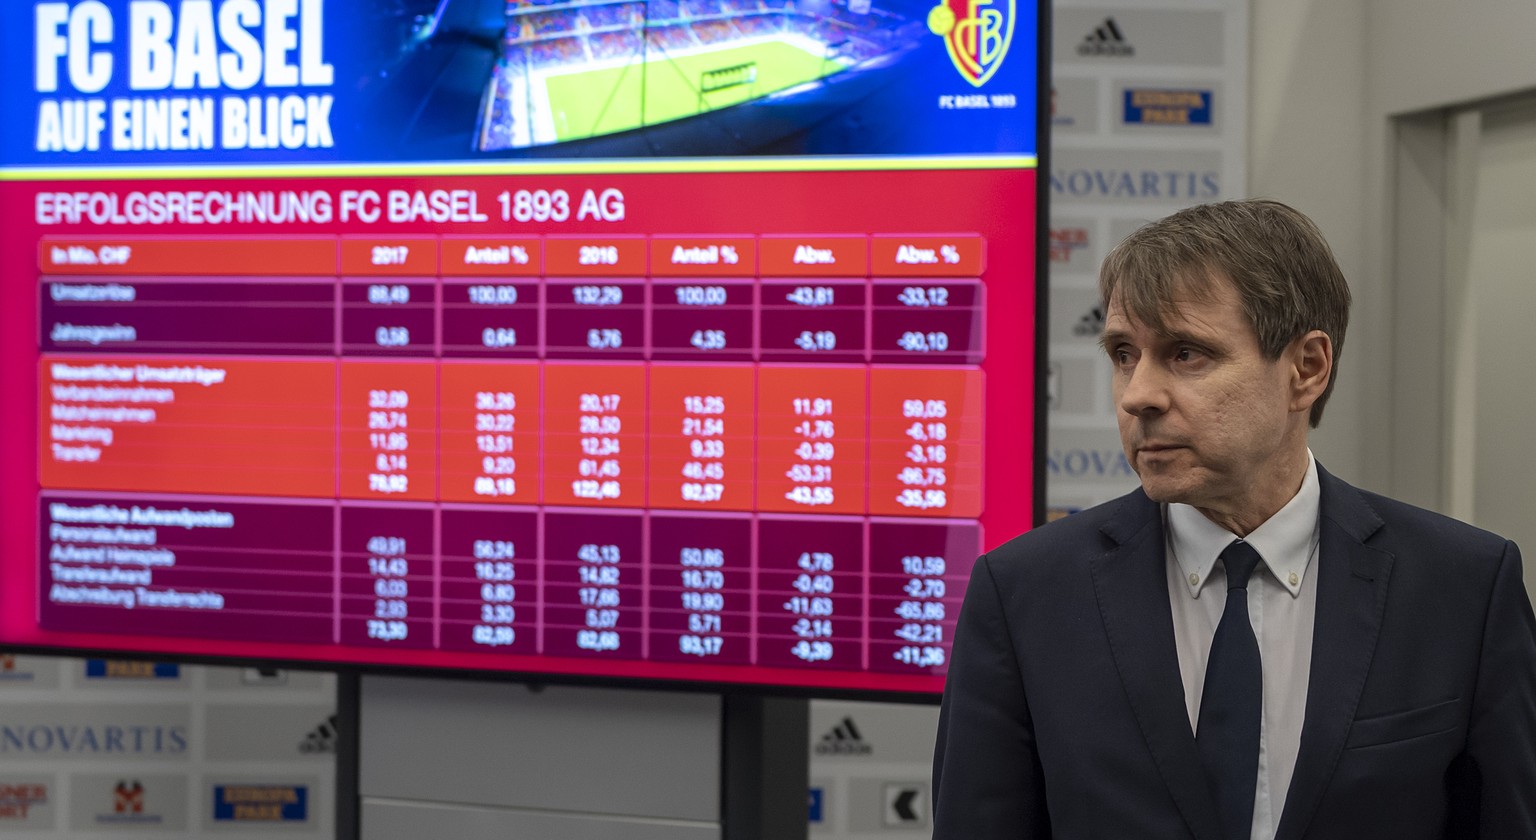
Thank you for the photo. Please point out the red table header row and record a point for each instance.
(897, 255)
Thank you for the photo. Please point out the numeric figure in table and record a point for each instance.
(594, 590)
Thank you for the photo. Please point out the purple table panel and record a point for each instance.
(594, 319)
(593, 594)
(203, 317)
(491, 319)
(810, 592)
(813, 320)
(490, 579)
(926, 295)
(951, 336)
(211, 580)
(388, 592)
(383, 318)
(700, 582)
(917, 576)
(703, 321)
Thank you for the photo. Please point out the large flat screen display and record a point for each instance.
(683, 341)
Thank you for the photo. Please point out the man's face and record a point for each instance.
(1204, 418)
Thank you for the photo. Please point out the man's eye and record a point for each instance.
(1185, 354)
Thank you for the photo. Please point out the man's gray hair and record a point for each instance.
(1285, 275)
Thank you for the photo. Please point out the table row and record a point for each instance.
(839, 439)
(840, 593)
(826, 320)
(785, 255)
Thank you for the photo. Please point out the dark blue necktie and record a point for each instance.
(1228, 733)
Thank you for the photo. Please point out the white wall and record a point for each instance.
(1327, 79)
(1306, 148)
(1435, 53)
(1423, 57)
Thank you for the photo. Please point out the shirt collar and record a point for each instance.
(1286, 541)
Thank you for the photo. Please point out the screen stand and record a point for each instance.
(766, 767)
(348, 755)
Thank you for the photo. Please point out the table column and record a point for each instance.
(814, 299)
(134, 296)
(700, 588)
(925, 447)
(703, 299)
(491, 297)
(811, 439)
(187, 425)
(490, 579)
(260, 571)
(927, 299)
(594, 435)
(703, 423)
(927, 322)
(810, 592)
(388, 575)
(225, 315)
(388, 436)
(594, 594)
(182, 421)
(595, 298)
(388, 297)
(489, 415)
(917, 575)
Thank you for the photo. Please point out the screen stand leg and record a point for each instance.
(766, 768)
(348, 756)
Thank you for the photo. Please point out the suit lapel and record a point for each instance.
(1131, 585)
(1351, 598)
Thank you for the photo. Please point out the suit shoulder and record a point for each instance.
(1429, 547)
(1428, 531)
(1073, 538)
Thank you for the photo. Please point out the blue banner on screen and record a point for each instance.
(253, 81)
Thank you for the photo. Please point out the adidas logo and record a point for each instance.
(843, 740)
(1106, 40)
(1091, 324)
(321, 739)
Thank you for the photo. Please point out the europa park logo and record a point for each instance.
(977, 34)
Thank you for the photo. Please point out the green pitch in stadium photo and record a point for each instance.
(572, 70)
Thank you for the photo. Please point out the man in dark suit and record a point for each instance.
(1247, 647)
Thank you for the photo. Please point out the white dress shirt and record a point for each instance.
(1281, 607)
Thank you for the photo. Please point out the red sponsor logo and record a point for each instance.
(1065, 241)
(128, 797)
(17, 799)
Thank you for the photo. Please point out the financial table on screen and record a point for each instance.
(742, 450)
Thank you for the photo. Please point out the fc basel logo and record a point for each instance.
(977, 33)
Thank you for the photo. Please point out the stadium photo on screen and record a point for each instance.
(575, 69)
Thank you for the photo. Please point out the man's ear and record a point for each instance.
(1310, 364)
